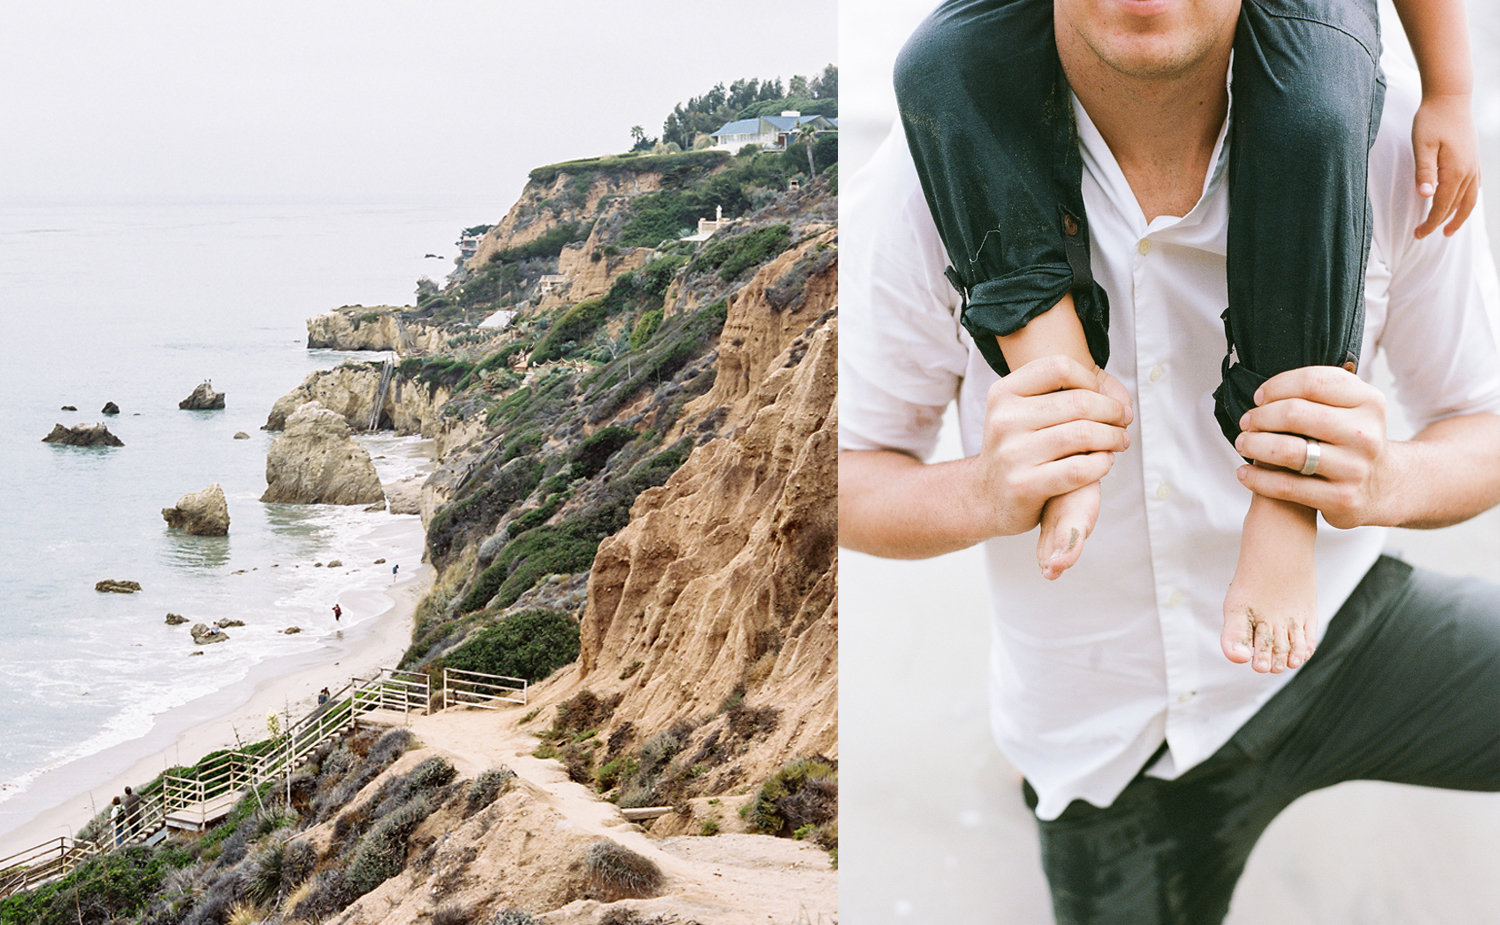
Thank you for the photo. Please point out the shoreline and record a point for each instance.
(62, 800)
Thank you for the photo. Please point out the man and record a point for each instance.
(1152, 761)
(132, 807)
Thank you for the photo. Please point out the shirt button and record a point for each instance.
(1157, 372)
(1163, 490)
(1144, 247)
(1185, 697)
(1175, 599)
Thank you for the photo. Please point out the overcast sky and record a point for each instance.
(361, 100)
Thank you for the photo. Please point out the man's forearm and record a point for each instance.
(1444, 475)
(897, 507)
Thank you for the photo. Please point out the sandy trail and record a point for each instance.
(727, 879)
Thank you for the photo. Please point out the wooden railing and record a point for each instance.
(477, 689)
(197, 796)
(42, 863)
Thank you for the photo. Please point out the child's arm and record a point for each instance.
(1054, 332)
(1443, 137)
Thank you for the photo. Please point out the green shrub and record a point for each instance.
(592, 454)
(548, 244)
(645, 327)
(486, 788)
(575, 326)
(264, 871)
(431, 774)
(805, 792)
(479, 504)
(615, 770)
(538, 515)
(102, 889)
(531, 645)
(382, 852)
(614, 872)
(733, 255)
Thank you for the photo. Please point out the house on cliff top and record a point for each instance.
(772, 133)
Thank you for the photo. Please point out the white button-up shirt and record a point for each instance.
(1092, 672)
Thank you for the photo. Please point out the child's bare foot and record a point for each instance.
(1067, 520)
(1271, 611)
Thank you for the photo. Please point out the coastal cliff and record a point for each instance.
(354, 327)
(634, 511)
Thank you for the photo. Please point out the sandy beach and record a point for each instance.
(61, 801)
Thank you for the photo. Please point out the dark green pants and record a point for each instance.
(989, 121)
(1404, 688)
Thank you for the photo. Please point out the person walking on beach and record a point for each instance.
(117, 821)
(337, 612)
(132, 807)
(394, 569)
(1152, 762)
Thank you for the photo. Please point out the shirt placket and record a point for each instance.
(1160, 406)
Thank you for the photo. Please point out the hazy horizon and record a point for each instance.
(370, 101)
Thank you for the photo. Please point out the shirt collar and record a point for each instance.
(1099, 161)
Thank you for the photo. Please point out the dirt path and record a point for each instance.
(726, 879)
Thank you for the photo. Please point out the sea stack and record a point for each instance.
(200, 513)
(317, 461)
(204, 398)
(83, 435)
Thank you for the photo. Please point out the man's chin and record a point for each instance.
(1152, 39)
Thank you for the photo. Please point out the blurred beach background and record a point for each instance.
(934, 830)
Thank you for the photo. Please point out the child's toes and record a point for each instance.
(1237, 639)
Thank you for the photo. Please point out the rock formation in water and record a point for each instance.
(83, 435)
(175, 619)
(117, 587)
(316, 461)
(200, 513)
(203, 634)
(204, 398)
(110, 408)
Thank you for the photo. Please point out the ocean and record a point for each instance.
(136, 304)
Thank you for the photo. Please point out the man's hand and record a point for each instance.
(1346, 415)
(1051, 426)
(1444, 475)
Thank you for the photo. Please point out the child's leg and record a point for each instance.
(1307, 101)
(1271, 613)
(989, 121)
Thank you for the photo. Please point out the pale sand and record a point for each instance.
(63, 800)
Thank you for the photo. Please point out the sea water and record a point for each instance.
(136, 304)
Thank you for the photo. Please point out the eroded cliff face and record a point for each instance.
(723, 583)
(410, 407)
(544, 206)
(591, 272)
(358, 328)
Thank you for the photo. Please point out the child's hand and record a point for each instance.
(1447, 150)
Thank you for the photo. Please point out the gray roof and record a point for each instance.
(764, 123)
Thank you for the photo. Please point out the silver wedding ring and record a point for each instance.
(1314, 456)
